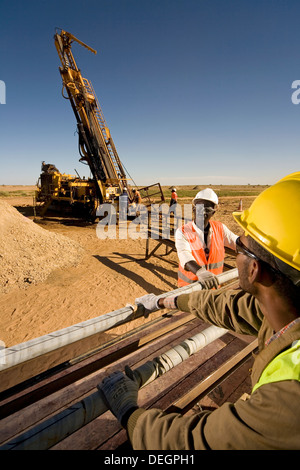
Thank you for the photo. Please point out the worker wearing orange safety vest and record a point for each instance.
(174, 197)
(200, 243)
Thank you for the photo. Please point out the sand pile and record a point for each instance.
(29, 253)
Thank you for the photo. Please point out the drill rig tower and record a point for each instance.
(96, 146)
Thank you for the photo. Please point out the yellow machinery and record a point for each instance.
(96, 147)
(66, 193)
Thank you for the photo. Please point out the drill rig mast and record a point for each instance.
(97, 148)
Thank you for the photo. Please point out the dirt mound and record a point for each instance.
(29, 253)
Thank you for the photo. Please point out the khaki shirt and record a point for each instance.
(269, 419)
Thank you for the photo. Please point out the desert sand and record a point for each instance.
(56, 272)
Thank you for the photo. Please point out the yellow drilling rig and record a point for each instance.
(71, 193)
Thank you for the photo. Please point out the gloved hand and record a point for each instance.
(207, 279)
(149, 302)
(120, 394)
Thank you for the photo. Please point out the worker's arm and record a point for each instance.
(235, 310)
(207, 279)
(192, 266)
(257, 423)
(183, 248)
(187, 260)
(229, 238)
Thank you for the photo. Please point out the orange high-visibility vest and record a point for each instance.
(215, 260)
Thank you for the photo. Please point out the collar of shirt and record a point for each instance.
(200, 234)
(282, 331)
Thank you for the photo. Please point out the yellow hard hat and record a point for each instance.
(273, 219)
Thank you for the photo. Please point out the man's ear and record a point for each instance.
(257, 273)
(254, 272)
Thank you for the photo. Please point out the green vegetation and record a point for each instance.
(226, 193)
(184, 192)
(17, 193)
(189, 192)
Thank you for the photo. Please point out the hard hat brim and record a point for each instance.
(250, 230)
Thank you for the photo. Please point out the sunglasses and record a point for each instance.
(241, 248)
(207, 208)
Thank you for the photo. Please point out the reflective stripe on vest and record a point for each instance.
(285, 366)
(215, 260)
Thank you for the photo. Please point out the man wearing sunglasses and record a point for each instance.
(267, 305)
(200, 243)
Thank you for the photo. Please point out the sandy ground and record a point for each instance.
(111, 273)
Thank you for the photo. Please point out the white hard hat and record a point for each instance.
(173, 189)
(207, 194)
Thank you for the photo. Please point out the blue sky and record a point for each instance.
(193, 91)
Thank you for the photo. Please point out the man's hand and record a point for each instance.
(149, 302)
(207, 279)
(120, 394)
